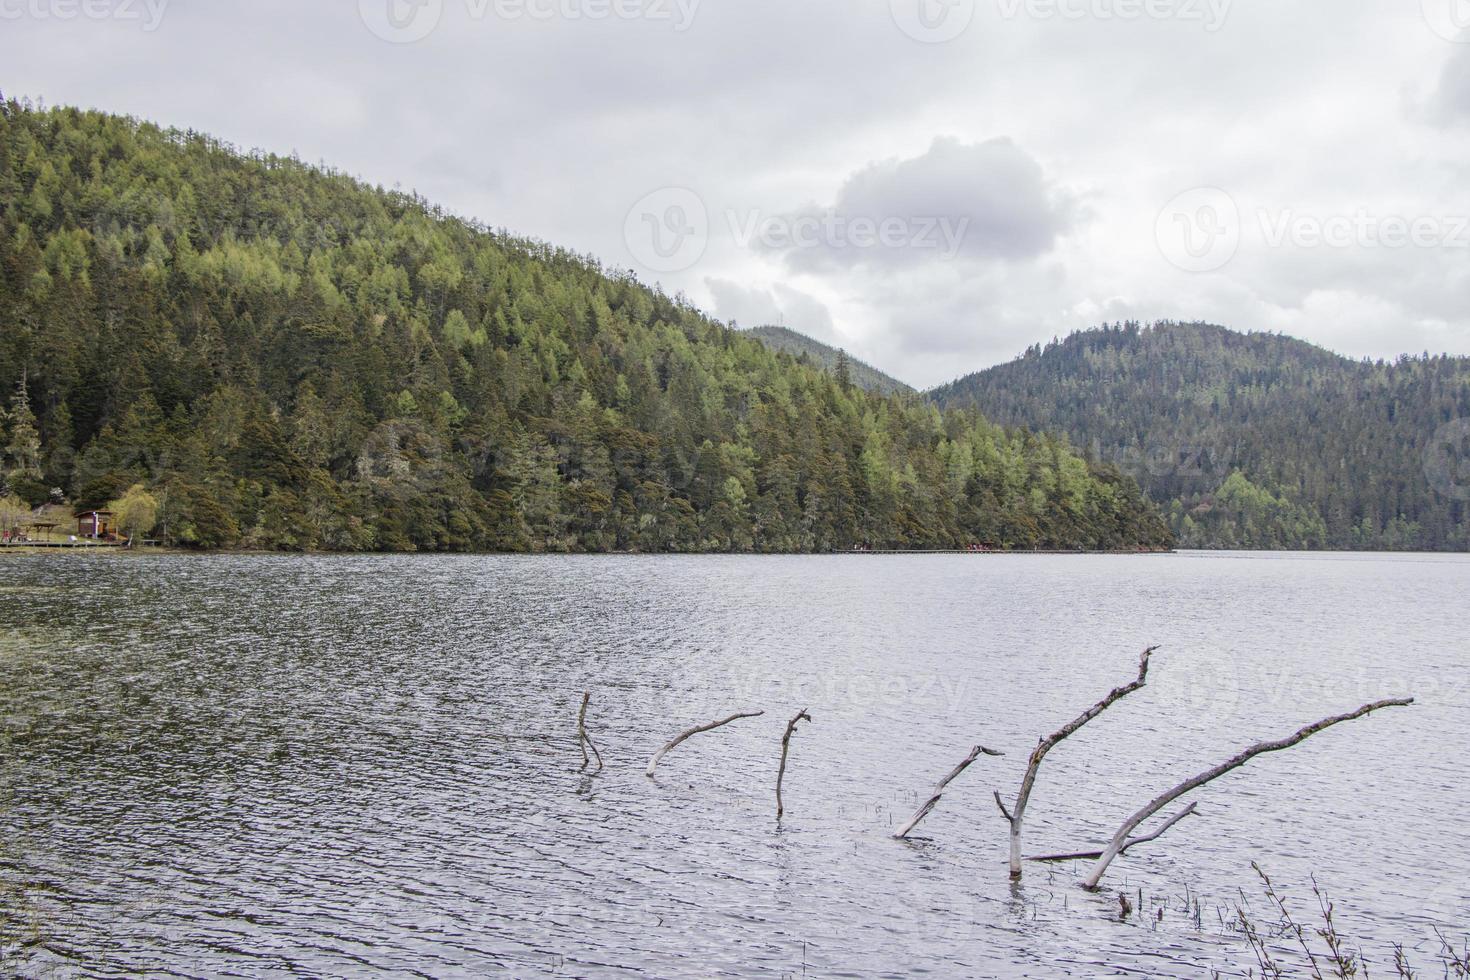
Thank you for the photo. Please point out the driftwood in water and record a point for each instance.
(1131, 824)
(928, 807)
(653, 763)
(1132, 841)
(785, 748)
(1017, 817)
(584, 741)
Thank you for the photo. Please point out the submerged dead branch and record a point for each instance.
(653, 763)
(785, 748)
(1017, 817)
(928, 807)
(1132, 841)
(1133, 822)
(584, 741)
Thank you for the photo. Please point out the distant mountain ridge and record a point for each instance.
(865, 376)
(1253, 440)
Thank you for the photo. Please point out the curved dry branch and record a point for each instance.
(584, 741)
(1132, 841)
(785, 748)
(928, 807)
(1131, 824)
(658, 757)
(1017, 817)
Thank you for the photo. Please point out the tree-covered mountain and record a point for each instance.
(1254, 440)
(799, 345)
(285, 358)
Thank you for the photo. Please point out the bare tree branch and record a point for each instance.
(928, 807)
(1132, 841)
(1132, 823)
(584, 741)
(653, 763)
(785, 748)
(1018, 817)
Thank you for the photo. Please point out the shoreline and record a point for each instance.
(33, 550)
(117, 549)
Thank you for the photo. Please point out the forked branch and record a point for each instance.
(928, 807)
(1017, 817)
(584, 741)
(658, 757)
(786, 748)
(1132, 823)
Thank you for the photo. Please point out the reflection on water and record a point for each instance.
(339, 766)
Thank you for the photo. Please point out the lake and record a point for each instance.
(355, 766)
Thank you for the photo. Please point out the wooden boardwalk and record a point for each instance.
(75, 545)
(997, 552)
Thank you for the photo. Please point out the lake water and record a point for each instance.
(356, 766)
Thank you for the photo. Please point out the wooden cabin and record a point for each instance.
(95, 524)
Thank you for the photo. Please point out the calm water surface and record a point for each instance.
(357, 766)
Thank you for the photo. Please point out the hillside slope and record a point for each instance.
(288, 359)
(829, 358)
(1253, 440)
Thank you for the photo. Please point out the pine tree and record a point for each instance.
(23, 451)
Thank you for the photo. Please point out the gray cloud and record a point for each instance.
(970, 201)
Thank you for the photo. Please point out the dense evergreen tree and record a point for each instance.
(285, 358)
(1252, 440)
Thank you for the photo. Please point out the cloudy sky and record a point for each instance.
(933, 184)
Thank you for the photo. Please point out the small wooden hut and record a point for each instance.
(96, 525)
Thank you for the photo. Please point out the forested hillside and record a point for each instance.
(825, 356)
(1253, 440)
(288, 359)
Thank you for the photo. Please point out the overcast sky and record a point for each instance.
(933, 184)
